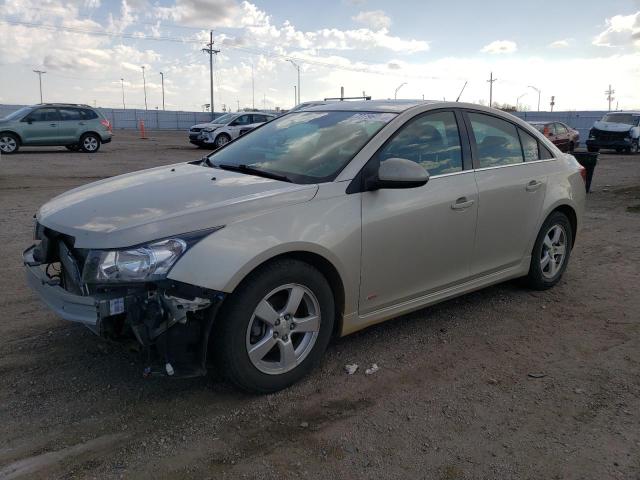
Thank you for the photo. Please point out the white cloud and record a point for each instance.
(375, 19)
(500, 46)
(201, 13)
(564, 43)
(622, 30)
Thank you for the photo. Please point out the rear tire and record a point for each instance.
(551, 252)
(572, 147)
(90, 143)
(263, 311)
(9, 143)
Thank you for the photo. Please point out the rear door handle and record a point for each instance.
(533, 185)
(462, 203)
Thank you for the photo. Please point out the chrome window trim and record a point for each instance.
(516, 164)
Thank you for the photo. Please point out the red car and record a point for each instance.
(561, 135)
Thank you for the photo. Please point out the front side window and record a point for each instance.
(242, 120)
(43, 115)
(497, 141)
(431, 140)
(306, 147)
(560, 129)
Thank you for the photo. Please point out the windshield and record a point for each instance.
(305, 147)
(626, 118)
(18, 113)
(226, 118)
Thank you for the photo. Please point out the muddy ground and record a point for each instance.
(453, 398)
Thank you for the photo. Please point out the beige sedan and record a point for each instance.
(319, 223)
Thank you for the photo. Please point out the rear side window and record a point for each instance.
(497, 141)
(431, 140)
(529, 146)
(259, 118)
(545, 154)
(70, 114)
(88, 114)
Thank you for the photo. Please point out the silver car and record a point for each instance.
(316, 224)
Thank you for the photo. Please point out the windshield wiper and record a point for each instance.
(253, 171)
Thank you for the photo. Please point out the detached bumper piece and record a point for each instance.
(171, 320)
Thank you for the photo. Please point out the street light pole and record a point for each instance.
(297, 68)
(539, 92)
(122, 83)
(40, 73)
(518, 100)
(395, 95)
(162, 77)
(144, 86)
(295, 95)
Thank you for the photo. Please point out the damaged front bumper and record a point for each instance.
(171, 320)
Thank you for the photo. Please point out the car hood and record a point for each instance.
(208, 125)
(161, 202)
(612, 127)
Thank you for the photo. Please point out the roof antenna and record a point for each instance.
(463, 87)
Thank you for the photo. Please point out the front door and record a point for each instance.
(419, 240)
(41, 127)
(243, 121)
(511, 191)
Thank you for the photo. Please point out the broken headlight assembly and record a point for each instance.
(150, 262)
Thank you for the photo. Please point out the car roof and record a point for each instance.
(383, 106)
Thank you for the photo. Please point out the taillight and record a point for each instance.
(106, 124)
(583, 174)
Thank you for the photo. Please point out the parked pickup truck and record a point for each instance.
(619, 131)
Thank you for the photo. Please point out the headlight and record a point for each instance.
(209, 129)
(151, 262)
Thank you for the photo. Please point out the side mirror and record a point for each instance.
(398, 173)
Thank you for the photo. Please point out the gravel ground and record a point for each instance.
(502, 383)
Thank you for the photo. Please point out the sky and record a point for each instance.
(93, 50)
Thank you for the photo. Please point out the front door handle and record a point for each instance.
(461, 204)
(533, 185)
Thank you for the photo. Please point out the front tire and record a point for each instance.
(9, 143)
(222, 140)
(551, 252)
(90, 143)
(275, 327)
(593, 149)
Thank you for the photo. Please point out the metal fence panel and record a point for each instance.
(179, 120)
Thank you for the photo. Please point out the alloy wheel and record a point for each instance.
(554, 249)
(221, 140)
(90, 144)
(8, 144)
(283, 329)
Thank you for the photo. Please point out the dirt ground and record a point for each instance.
(503, 383)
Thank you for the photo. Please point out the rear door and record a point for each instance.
(70, 124)
(562, 137)
(511, 191)
(41, 127)
(419, 240)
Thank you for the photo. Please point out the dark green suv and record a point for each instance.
(77, 127)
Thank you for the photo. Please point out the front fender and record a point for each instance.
(328, 227)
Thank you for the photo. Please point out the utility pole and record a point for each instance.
(609, 93)
(162, 77)
(122, 83)
(210, 50)
(40, 73)
(539, 92)
(553, 102)
(253, 89)
(297, 68)
(238, 102)
(144, 86)
(491, 80)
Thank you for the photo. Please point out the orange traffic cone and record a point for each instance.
(141, 128)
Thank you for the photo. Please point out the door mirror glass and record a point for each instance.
(399, 173)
